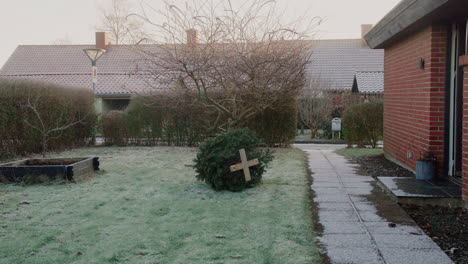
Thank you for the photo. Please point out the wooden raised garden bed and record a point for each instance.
(46, 170)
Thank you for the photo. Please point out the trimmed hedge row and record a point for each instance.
(28, 107)
(154, 121)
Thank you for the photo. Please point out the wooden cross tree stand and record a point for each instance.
(244, 165)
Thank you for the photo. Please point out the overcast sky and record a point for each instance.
(24, 22)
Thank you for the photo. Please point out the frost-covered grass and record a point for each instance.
(147, 207)
(353, 153)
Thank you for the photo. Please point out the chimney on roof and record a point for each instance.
(102, 40)
(366, 28)
(192, 36)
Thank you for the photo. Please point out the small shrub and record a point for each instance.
(216, 155)
(363, 124)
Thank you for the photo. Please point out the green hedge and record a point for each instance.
(363, 124)
(154, 121)
(277, 126)
(155, 124)
(56, 106)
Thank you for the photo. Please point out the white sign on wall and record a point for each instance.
(336, 125)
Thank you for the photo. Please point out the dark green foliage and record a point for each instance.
(363, 124)
(155, 123)
(53, 103)
(153, 120)
(326, 128)
(277, 126)
(114, 128)
(216, 155)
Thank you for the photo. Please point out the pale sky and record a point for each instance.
(26, 22)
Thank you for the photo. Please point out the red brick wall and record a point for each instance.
(465, 136)
(414, 98)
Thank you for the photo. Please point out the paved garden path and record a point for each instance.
(361, 224)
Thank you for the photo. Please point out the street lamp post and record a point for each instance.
(94, 55)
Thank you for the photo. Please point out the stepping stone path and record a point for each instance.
(361, 224)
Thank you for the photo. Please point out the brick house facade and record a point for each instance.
(426, 85)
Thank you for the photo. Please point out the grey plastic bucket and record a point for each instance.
(425, 170)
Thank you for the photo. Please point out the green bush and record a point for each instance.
(55, 105)
(363, 124)
(277, 126)
(216, 155)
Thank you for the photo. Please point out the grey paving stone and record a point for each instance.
(415, 256)
(353, 256)
(326, 184)
(357, 184)
(384, 228)
(360, 191)
(343, 228)
(365, 206)
(404, 241)
(386, 214)
(333, 179)
(346, 240)
(355, 179)
(321, 190)
(338, 216)
(335, 206)
(324, 174)
(331, 198)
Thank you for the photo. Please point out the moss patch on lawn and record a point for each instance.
(148, 207)
(353, 153)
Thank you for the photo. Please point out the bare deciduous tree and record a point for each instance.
(235, 62)
(122, 28)
(49, 129)
(315, 104)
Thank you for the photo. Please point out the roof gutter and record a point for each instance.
(401, 18)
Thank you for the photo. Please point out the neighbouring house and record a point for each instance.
(68, 65)
(348, 65)
(336, 62)
(426, 85)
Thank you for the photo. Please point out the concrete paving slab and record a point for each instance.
(365, 206)
(324, 184)
(353, 256)
(343, 228)
(415, 256)
(321, 190)
(338, 216)
(410, 187)
(346, 240)
(404, 241)
(355, 215)
(331, 198)
(399, 229)
(334, 206)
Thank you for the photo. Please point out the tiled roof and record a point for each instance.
(370, 81)
(108, 84)
(335, 61)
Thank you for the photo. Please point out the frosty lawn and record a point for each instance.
(148, 208)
